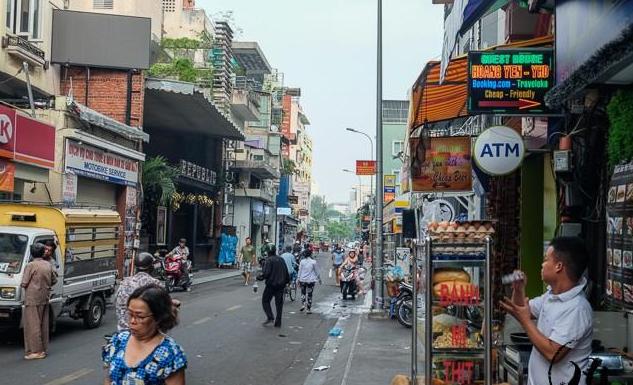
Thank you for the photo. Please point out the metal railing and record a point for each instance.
(22, 43)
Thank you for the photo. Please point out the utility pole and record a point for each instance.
(377, 303)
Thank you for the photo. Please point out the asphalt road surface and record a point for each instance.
(220, 330)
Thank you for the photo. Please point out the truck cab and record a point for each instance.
(85, 259)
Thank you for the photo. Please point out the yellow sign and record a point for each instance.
(390, 180)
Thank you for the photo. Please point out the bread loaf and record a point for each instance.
(445, 275)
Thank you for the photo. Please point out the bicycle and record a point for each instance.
(291, 289)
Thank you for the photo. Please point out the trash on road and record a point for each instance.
(335, 332)
(321, 368)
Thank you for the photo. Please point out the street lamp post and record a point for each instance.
(360, 185)
(377, 303)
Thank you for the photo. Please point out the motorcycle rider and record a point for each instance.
(182, 251)
(338, 257)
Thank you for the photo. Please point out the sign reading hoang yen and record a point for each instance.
(509, 81)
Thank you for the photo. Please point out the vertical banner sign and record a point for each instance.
(286, 106)
(365, 167)
(441, 164)
(509, 81)
(620, 237)
(7, 175)
(389, 182)
(70, 188)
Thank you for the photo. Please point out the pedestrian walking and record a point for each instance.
(291, 262)
(157, 358)
(247, 260)
(39, 277)
(338, 256)
(275, 273)
(143, 264)
(308, 277)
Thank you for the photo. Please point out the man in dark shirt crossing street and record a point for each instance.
(275, 273)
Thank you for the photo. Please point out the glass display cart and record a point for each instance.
(458, 308)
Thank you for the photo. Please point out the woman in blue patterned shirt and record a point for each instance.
(144, 354)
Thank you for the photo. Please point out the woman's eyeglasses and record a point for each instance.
(138, 317)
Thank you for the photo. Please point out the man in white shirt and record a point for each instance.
(564, 327)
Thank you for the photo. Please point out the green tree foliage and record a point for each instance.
(289, 167)
(620, 111)
(181, 69)
(159, 180)
(340, 230)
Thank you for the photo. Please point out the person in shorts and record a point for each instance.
(247, 260)
(338, 256)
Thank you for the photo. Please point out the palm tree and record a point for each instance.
(159, 180)
(159, 185)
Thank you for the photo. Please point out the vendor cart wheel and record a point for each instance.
(94, 315)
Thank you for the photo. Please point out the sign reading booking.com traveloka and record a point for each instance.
(95, 163)
(499, 150)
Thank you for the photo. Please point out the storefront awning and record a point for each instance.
(179, 106)
(433, 102)
(93, 117)
(612, 63)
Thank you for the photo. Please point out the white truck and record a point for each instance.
(85, 259)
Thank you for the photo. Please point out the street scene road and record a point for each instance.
(220, 330)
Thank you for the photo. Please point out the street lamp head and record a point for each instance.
(351, 129)
(347, 170)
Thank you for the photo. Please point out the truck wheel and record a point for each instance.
(94, 315)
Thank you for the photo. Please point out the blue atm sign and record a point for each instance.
(499, 150)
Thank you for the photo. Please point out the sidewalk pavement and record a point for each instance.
(369, 351)
(211, 275)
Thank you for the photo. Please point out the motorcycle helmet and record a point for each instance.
(144, 261)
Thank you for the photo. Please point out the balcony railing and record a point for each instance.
(263, 193)
(261, 168)
(25, 50)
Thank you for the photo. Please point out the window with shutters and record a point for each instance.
(102, 4)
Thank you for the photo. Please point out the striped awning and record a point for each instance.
(433, 102)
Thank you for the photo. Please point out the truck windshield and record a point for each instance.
(12, 249)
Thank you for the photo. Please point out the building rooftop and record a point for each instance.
(250, 56)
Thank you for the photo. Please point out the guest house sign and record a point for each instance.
(509, 81)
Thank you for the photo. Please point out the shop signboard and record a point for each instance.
(69, 193)
(441, 164)
(16, 139)
(95, 163)
(499, 150)
(7, 175)
(619, 283)
(365, 167)
(509, 81)
(284, 211)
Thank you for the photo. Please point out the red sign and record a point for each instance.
(7, 175)
(365, 167)
(26, 139)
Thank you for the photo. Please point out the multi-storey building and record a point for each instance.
(86, 109)
(257, 160)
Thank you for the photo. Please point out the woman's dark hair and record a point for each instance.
(159, 303)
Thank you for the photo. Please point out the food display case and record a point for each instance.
(458, 308)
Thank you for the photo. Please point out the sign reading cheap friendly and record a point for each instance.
(509, 81)
(95, 163)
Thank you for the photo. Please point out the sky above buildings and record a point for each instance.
(328, 48)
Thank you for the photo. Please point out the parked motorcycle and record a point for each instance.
(404, 305)
(175, 274)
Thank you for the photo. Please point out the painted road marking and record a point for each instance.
(71, 377)
(348, 366)
(234, 307)
(202, 320)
